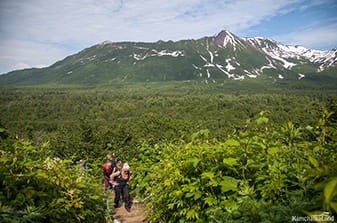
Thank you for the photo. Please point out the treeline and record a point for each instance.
(87, 123)
(204, 156)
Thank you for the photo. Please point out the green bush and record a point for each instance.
(38, 188)
(261, 173)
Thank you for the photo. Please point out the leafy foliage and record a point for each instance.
(35, 187)
(206, 154)
(263, 173)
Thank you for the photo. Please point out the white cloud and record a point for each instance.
(91, 21)
(15, 54)
(20, 66)
(318, 38)
(43, 31)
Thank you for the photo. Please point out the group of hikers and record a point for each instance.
(117, 177)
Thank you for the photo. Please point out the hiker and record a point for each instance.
(83, 165)
(117, 168)
(107, 171)
(121, 183)
(111, 160)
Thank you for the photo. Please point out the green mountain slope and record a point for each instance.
(207, 60)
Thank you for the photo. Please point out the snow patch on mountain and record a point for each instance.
(168, 53)
(268, 66)
(158, 53)
(203, 58)
(209, 65)
(210, 53)
(326, 58)
(196, 67)
(139, 56)
(286, 64)
(208, 74)
(229, 75)
(248, 74)
(239, 78)
(282, 52)
(300, 76)
(229, 66)
(141, 48)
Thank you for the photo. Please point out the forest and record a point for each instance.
(202, 153)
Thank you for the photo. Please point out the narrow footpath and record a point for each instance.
(135, 216)
(120, 215)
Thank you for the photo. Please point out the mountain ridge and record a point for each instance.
(208, 59)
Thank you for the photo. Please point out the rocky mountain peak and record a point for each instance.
(225, 38)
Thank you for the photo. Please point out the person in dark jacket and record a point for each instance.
(121, 183)
(117, 168)
(111, 160)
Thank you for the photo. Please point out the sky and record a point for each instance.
(37, 33)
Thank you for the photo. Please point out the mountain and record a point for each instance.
(209, 60)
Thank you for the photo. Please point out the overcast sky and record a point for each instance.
(37, 33)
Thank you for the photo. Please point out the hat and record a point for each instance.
(126, 166)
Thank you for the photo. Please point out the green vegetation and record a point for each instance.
(261, 173)
(205, 152)
(84, 122)
(201, 61)
(39, 187)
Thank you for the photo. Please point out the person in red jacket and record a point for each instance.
(107, 171)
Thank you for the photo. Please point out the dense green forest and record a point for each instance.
(204, 154)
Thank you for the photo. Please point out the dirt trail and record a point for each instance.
(135, 216)
(121, 215)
